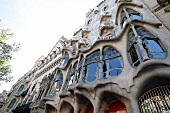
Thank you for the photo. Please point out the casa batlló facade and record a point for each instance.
(118, 62)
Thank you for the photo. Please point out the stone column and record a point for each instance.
(135, 106)
(96, 109)
(139, 42)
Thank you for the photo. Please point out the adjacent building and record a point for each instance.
(118, 62)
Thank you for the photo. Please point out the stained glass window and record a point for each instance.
(151, 44)
(91, 67)
(134, 53)
(112, 62)
(66, 59)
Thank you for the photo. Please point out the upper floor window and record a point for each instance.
(91, 67)
(57, 85)
(89, 21)
(134, 53)
(71, 75)
(79, 70)
(12, 103)
(132, 15)
(105, 8)
(112, 62)
(151, 44)
(20, 89)
(66, 59)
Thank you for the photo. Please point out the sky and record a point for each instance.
(37, 25)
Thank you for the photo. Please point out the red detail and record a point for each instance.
(90, 109)
(116, 107)
(59, 87)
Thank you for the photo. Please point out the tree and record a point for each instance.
(6, 51)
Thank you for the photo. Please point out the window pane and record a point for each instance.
(92, 69)
(65, 61)
(11, 103)
(155, 46)
(115, 72)
(124, 23)
(133, 54)
(94, 57)
(21, 88)
(114, 63)
(156, 49)
(71, 80)
(134, 16)
(110, 52)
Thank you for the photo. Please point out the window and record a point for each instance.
(12, 103)
(134, 53)
(91, 67)
(20, 89)
(124, 20)
(105, 8)
(112, 62)
(89, 21)
(57, 83)
(79, 71)
(70, 77)
(151, 44)
(66, 59)
(133, 15)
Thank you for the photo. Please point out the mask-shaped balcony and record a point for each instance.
(106, 24)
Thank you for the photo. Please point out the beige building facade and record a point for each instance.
(118, 62)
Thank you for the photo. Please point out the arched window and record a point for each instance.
(112, 62)
(20, 89)
(91, 67)
(57, 83)
(71, 75)
(134, 53)
(151, 44)
(79, 70)
(133, 15)
(12, 103)
(66, 59)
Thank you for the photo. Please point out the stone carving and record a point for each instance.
(85, 42)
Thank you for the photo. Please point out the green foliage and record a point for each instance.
(6, 51)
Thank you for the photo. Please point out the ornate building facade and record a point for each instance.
(118, 62)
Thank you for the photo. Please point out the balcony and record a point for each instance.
(106, 24)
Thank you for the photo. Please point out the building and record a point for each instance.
(3, 97)
(118, 62)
